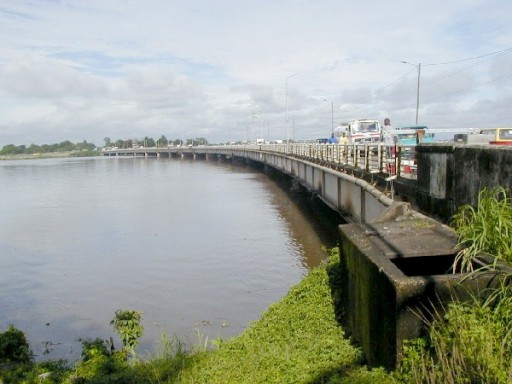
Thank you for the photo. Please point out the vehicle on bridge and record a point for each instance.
(403, 139)
(412, 135)
(360, 131)
(498, 136)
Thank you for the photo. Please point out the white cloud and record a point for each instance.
(85, 70)
(30, 77)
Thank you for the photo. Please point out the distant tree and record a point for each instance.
(85, 146)
(33, 148)
(8, 149)
(162, 141)
(107, 141)
(119, 143)
(20, 149)
(66, 146)
(177, 142)
(46, 148)
(197, 141)
(149, 142)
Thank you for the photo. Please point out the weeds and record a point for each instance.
(467, 344)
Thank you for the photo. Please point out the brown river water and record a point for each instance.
(202, 248)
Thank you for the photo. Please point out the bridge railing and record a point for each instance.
(397, 160)
(373, 158)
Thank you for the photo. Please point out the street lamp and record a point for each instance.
(418, 66)
(287, 124)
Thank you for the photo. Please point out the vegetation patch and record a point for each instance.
(486, 228)
(471, 342)
(297, 340)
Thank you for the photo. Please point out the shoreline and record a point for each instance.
(49, 155)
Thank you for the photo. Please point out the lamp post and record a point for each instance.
(418, 67)
(287, 124)
(332, 116)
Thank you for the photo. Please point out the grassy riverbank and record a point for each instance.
(297, 340)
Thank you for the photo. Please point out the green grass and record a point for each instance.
(468, 344)
(297, 340)
(471, 342)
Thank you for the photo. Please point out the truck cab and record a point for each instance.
(360, 131)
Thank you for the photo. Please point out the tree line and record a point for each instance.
(65, 146)
(84, 146)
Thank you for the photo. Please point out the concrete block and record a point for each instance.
(394, 273)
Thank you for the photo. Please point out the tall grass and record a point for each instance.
(471, 342)
(486, 228)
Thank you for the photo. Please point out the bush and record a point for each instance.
(127, 324)
(14, 347)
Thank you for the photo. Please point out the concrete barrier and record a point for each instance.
(394, 273)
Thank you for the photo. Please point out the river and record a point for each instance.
(202, 248)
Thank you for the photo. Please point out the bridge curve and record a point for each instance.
(435, 178)
(351, 189)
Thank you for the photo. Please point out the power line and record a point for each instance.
(471, 58)
(371, 103)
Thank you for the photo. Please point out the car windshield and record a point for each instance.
(366, 126)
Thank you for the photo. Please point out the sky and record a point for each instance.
(232, 70)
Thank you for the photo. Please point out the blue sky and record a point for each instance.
(86, 70)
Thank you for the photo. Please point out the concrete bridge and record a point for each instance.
(344, 177)
(395, 257)
(363, 181)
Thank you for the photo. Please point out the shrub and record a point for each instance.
(14, 347)
(128, 327)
